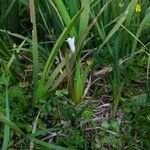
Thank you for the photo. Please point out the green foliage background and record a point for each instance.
(42, 83)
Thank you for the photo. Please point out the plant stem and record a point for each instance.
(34, 47)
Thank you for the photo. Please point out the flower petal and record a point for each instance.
(71, 43)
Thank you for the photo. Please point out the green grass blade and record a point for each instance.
(41, 91)
(44, 19)
(84, 18)
(59, 80)
(78, 84)
(4, 16)
(148, 80)
(43, 132)
(6, 128)
(58, 14)
(48, 145)
(4, 51)
(9, 15)
(54, 75)
(58, 44)
(19, 36)
(116, 98)
(25, 2)
(130, 11)
(90, 26)
(144, 23)
(74, 7)
(94, 3)
(65, 15)
(126, 15)
(114, 29)
(6, 121)
(51, 81)
(6, 137)
(134, 36)
(34, 46)
(117, 86)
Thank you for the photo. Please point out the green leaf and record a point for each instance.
(58, 44)
(126, 15)
(77, 93)
(105, 124)
(34, 46)
(6, 121)
(84, 19)
(131, 10)
(115, 125)
(41, 91)
(30, 137)
(145, 23)
(48, 145)
(114, 29)
(65, 15)
(6, 128)
(43, 132)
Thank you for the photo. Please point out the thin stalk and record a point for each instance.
(148, 82)
(6, 127)
(34, 47)
(117, 85)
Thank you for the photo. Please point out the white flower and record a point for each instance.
(71, 43)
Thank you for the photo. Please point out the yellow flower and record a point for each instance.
(138, 8)
(89, 62)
